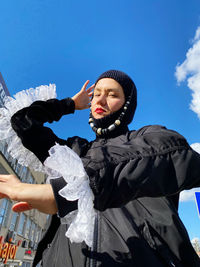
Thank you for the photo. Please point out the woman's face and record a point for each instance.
(108, 97)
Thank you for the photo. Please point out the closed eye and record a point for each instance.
(113, 95)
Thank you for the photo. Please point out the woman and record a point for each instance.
(136, 177)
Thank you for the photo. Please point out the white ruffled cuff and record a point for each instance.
(64, 162)
(12, 104)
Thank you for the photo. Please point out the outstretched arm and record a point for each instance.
(28, 196)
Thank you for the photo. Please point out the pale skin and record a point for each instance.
(108, 97)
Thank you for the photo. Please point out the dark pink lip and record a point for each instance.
(99, 110)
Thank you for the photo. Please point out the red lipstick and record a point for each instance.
(99, 110)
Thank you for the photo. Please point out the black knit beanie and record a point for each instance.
(130, 93)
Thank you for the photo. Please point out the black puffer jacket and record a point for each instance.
(136, 177)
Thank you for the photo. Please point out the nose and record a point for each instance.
(102, 100)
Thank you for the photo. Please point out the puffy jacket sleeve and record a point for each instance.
(28, 123)
(159, 163)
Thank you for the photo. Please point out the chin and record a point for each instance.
(98, 116)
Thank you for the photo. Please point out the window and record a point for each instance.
(5, 210)
(18, 168)
(7, 213)
(12, 161)
(23, 174)
(32, 231)
(2, 209)
(38, 234)
(26, 264)
(2, 92)
(30, 179)
(3, 146)
(28, 228)
(5, 151)
(14, 220)
(22, 223)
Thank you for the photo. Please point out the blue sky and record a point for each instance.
(67, 42)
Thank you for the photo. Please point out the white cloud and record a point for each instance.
(197, 35)
(190, 70)
(196, 147)
(189, 195)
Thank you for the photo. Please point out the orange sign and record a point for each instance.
(7, 250)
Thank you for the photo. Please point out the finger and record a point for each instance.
(85, 85)
(90, 88)
(90, 94)
(21, 206)
(4, 177)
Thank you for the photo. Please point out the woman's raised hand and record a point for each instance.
(83, 97)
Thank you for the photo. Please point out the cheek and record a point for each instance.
(92, 103)
(116, 104)
(92, 106)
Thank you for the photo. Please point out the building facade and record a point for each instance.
(19, 232)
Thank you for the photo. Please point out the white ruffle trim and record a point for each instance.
(66, 163)
(12, 104)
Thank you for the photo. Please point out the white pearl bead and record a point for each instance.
(117, 122)
(99, 131)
